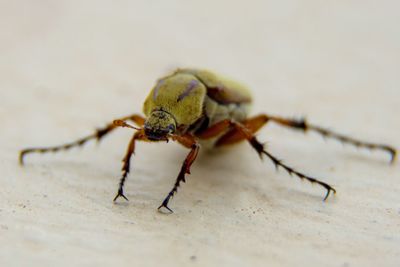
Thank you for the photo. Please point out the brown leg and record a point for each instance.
(241, 132)
(301, 124)
(99, 134)
(255, 123)
(215, 130)
(126, 163)
(189, 142)
(278, 163)
(230, 134)
(234, 136)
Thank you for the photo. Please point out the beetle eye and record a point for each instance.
(171, 128)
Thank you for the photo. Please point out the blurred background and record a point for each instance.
(67, 67)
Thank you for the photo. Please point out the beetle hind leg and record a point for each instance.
(355, 142)
(255, 123)
(303, 125)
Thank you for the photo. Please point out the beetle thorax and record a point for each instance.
(180, 95)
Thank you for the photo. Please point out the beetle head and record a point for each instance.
(158, 125)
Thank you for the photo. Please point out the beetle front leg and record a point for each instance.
(126, 163)
(190, 142)
(98, 135)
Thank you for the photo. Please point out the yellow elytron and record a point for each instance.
(191, 105)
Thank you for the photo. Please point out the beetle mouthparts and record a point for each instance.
(156, 134)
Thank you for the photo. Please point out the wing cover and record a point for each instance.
(221, 89)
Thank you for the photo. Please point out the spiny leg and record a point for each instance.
(126, 163)
(98, 135)
(214, 130)
(234, 136)
(349, 140)
(302, 124)
(255, 123)
(239, 130)
(189, 142)
(278, 163)
(230, 135)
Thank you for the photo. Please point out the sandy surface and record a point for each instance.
(67, 67)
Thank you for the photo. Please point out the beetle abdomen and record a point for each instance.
(217, 112)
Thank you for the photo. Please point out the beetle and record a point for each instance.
(193, 106)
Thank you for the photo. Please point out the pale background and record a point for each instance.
(67, 67)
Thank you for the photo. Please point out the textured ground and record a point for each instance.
(67, 67)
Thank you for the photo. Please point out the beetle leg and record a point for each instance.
(255, 123)
(302, 124)
(98, 135)
(126, 163)
(230, 134)
(240, 130)
(190, 142)
(278, 163)
(234, 136)
(215, 130)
